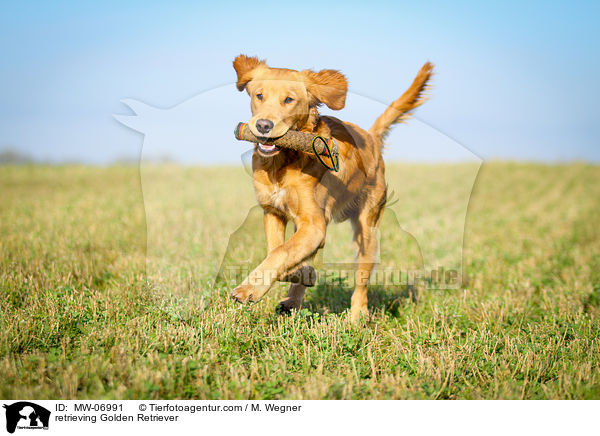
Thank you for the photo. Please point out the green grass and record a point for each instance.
(83, 315)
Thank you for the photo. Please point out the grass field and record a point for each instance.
(81, 317)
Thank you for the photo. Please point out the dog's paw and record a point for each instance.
(244, 294)
(358, 312)
(287, 305)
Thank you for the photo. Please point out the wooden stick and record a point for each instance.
(300, 141)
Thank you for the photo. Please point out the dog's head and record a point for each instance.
(282, 99)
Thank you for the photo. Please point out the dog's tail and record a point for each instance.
(400, 110)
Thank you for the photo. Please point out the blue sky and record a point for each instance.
(514, 81)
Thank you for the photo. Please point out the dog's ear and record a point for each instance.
(327, 86)
(244, 66)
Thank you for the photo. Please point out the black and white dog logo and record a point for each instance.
(26, 415)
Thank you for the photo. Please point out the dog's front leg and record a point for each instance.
(309, 237)
(274, 230)
(275, 234)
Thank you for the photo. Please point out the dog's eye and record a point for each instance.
(259, 96)
(288, 100)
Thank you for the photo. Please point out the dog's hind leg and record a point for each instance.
(365, 237)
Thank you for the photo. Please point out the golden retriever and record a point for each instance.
(295, 186)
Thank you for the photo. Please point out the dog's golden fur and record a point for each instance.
(294, 186)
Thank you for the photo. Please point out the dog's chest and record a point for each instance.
(275, 196)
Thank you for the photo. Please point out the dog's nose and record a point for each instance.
(264, 126)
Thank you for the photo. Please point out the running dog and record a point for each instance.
(294, 186)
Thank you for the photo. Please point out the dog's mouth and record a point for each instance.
(267, 150)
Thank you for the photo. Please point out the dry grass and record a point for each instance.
(81, 317)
